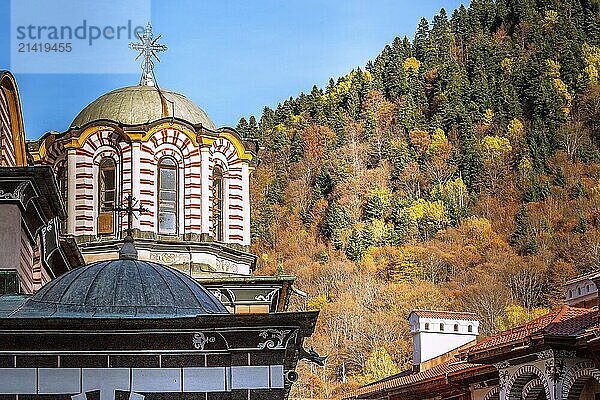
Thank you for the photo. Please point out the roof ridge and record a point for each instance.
(449, 366)
(563, 310)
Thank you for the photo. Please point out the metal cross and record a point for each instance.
(148, 48)
(130, 208)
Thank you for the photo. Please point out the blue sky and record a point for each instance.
(232, 58)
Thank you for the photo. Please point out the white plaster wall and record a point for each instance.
(582, 290)
(433, 342)
(205, 191)
(246, 203)
(184, 257)
(71, 189)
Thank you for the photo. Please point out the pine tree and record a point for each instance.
(523, 237)
(440, 43)
(267, 121)
(296, 147)
(242, 128)
(252, 132)
(355, 250)
(421, 39)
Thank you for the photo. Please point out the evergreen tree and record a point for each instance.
(336, 219)
(523, 237)
(296, 147)
(356, 248)
(242, 128)
(252, 132)
(421, 39)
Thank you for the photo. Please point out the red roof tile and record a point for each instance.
(564, 321)
(439, 371)
(466, 316)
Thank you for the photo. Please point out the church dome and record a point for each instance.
(122, 289)
(135, 105)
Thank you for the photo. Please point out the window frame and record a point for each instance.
(218, 193)
(10, 282)
(174, 167)
(103, 166)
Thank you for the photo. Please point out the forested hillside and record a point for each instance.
(459, 170)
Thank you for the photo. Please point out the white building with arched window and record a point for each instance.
(161, 148)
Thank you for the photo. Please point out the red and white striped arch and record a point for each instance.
(137, 172)
(236, 202)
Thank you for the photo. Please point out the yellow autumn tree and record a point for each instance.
(495, 151)
(316, 303)
(411, 65)
(515, 315)
(550, 19)
(563, 92)
(479, 236)
(488, 117)
(428, 216)
(437, 165)
(591, 60)
(495, 147)
(515, 131)
(398, 264)
(507, 66)
(553, 68)
(455, 191)
(379, 365)
(439, 144)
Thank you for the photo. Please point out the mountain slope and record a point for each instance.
(457, 170)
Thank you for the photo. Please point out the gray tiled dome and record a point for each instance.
(122, 289)
(135, 105)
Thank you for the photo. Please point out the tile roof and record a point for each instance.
(563, 321)
(466, 316)
(438, 372)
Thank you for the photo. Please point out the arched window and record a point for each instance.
(455, 327)
(167, 196)
(218, 203)
(426, 326)
(578, 291)
(107, 190)
(570, 293)
(470, 328)
(441, 327)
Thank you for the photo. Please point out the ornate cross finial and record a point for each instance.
(130, 207)
(128, 250)
(148, 48)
